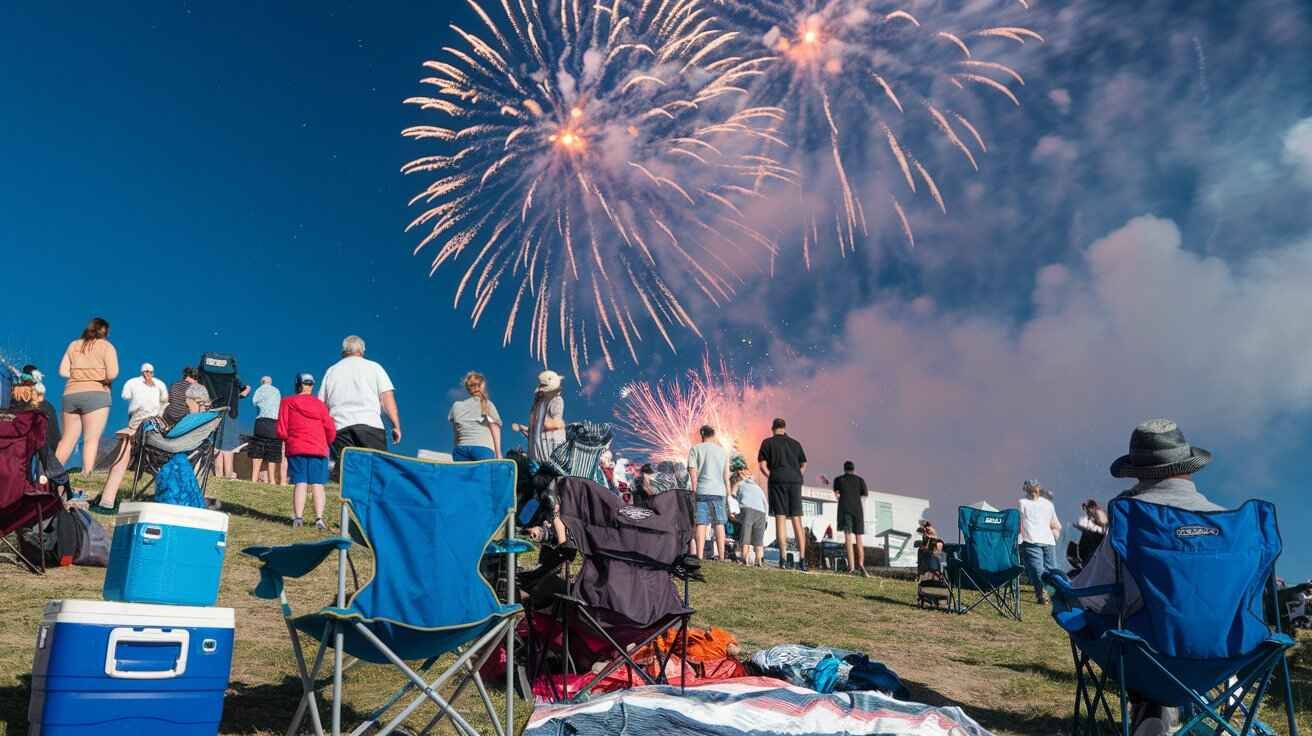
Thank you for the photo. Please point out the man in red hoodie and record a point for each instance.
(307, 429)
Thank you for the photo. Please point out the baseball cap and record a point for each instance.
(147, 367)
(303, 379)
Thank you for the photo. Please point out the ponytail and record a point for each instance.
(476, 385)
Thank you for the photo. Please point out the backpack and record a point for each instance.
(57, 545)
(93, 540)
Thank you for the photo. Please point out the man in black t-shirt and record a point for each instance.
(851, 489)
(783, 461)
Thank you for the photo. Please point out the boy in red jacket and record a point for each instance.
(307, 429)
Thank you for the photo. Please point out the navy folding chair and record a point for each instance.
(985, 562)
(1198, 639)
(428, 525)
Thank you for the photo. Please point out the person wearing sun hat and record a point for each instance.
(1162, 462)
(546, 424)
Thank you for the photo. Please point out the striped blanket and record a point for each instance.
(750, 705)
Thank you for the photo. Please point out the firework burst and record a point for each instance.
(663, 417)
(593, 159)
(859, 79)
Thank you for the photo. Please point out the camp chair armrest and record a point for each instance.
(507, 547)
(1064, 590)
(291, 561)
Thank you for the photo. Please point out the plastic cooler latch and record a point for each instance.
(146, 654)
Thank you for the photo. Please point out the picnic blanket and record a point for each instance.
(751, 705)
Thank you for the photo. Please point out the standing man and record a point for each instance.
(783, 461)
(146, 397)
(708, 470)
(266, 445)
(546, 421)
(358, 392)
(851, 489)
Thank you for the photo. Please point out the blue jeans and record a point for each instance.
(465, 453)
(1038, 559)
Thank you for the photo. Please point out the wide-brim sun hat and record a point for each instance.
(1158, 449)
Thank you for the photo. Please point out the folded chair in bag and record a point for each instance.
(427, 525)
(1194, 636)
(193, 436)
(25, 500)
(624, 596)
(986, 561)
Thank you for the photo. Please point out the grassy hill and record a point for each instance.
(1015, 678)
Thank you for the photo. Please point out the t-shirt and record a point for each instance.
(471, 427)
(351, 388)
(90, 369)
(268, 400)
(178, 395)
(710, 461)
(143, 400)
(784, 456)
(1036, 516)
(850, 487)
(750, 495)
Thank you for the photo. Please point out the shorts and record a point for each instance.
(751, 527)
(710, 510)
(229, 438)
(265, 445)
(850, 522)
(307, 469)
(469, 453)
(85, 402)
(785, 499)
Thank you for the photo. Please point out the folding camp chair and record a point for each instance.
(1198, 639)
(986, 561)
(406, 510)
(623, 598)
(580, 454)
(193, 435)
(24, 499)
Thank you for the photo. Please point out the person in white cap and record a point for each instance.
(546, 422)
(146, 396)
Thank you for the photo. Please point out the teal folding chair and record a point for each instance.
(428, 525)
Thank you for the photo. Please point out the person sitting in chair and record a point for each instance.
(1162, 462)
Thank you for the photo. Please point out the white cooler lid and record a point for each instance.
(167, 513)
(109, 613)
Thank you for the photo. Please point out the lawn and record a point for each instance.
(1015, 678)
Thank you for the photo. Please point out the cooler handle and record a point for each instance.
(181, 637)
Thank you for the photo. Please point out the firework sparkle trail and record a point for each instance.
(593, 157)
(663, 417)
(857, 78)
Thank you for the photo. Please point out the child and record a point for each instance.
(307, 430)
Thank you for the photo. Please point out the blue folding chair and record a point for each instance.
(1199, 640)
(428, 525)
(986, 561)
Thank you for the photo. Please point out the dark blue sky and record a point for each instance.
(226, 177)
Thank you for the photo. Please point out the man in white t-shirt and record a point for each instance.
(1039, 529)
(145, 395)
(358, 392)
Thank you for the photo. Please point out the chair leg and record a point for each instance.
(308, 700)
(1125, 697)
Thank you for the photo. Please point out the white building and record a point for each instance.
(891, 521)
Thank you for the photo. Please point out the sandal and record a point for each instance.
(95, 507)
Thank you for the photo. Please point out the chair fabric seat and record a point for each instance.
(406, 642)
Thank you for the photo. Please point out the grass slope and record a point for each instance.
(1015, 678)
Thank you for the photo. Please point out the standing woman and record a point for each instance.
(90, 364)
(1039, 530)
(475, 422)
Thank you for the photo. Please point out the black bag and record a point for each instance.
(57, 545)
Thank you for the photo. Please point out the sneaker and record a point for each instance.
(318, 524)
(96, 508)
(803, 567)
(297, 522)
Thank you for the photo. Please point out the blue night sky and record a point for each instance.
(1136, 243)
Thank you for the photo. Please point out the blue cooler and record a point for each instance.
(166, 554)
(111, 669)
